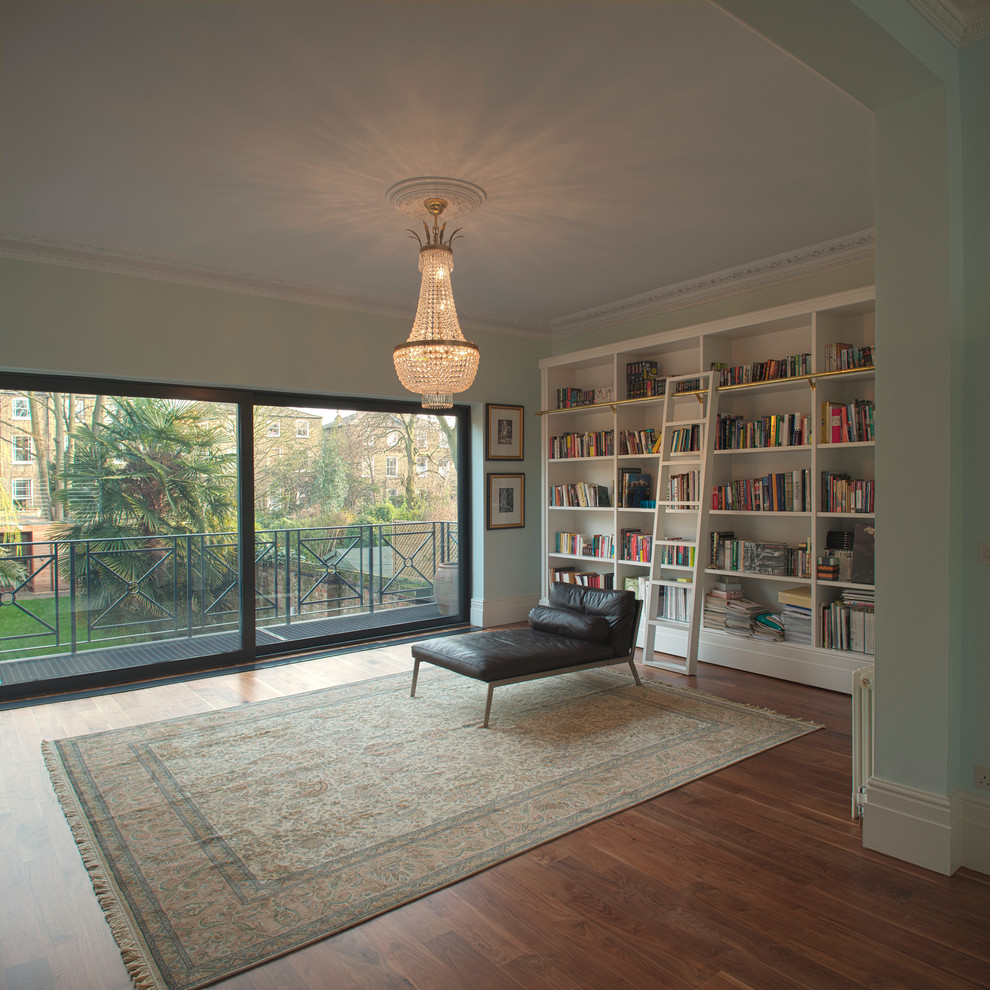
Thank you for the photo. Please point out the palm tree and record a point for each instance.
(151, 469)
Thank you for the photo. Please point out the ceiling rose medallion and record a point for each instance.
(436, 361)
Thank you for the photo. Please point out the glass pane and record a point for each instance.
(356, 521)
(119, 533)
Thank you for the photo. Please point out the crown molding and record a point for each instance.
(782, 267)
(47, 247)
(75, 252)
(960, 21)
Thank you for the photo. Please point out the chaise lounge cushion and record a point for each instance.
(567, 622)
(617, 607)
(497, 654)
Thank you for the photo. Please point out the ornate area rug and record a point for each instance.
(216, 842)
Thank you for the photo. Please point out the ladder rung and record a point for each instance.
(673, 541)
(669, 623)
(668, 583)
(679, 668)
(680, 505)
(684, 422)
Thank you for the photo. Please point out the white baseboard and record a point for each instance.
(976, 832)
(487, 612)
(913, 825)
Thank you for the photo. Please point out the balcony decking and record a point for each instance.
(95, 661)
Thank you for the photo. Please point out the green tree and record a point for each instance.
(150, 469)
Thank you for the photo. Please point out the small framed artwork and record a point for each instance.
(504, 432)
(505, 501)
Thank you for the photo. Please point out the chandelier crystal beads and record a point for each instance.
(436, 361)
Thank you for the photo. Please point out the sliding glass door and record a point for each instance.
(356, 521)
(132, 517)
(119, 545)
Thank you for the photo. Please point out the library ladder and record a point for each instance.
(677, 560)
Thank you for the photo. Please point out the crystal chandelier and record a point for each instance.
(436, 360)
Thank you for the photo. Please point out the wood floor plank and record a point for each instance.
(753, 878)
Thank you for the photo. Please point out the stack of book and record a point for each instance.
(835, 564)
(713, 616)
(796, 614)
(741, 616)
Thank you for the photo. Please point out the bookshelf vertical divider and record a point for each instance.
(626, 409)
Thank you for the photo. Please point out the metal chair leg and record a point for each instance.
(412, 693)
(635, 672)
(488, 705)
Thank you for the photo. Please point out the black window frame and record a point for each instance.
(250, 653)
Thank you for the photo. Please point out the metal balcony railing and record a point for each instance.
(79, 594)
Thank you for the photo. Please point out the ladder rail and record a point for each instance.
(678, 462)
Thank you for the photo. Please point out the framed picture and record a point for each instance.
(504, 432)
(505, 501)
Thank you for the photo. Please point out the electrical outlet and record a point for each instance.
(981, 777)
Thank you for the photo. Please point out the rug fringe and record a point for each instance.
(141, 974)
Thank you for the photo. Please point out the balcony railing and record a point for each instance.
(80, 594)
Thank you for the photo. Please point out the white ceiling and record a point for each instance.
(623, 146)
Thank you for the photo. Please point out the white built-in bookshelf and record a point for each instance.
(766, 474)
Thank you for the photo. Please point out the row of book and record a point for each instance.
(848, 622)
(635, 488)
(584, 545)
(840, 493)
(643, 380)
(848, 422)
(677, 554)
(784, 491)
(636, 545)
(778, 430)
(580, 494)
(683, 488)
(591, 444)
(673, 604)
(685, 438)
(570, 398)
(590, 579)
(761, 371)
(762, 557)
(639, 441)
(845, 357)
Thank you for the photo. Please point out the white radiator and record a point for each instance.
(862, 737)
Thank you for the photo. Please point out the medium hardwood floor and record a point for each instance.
(753, 878)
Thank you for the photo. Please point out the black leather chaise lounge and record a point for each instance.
(580, 629)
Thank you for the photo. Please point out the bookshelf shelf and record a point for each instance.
(815, 336)
(590, 457)
(790, 578)
(846, 515)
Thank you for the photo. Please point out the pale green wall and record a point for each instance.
(974, 77)
(75, 321)
(931, 104)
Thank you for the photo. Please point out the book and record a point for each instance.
(640, 490)
(798, 595)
